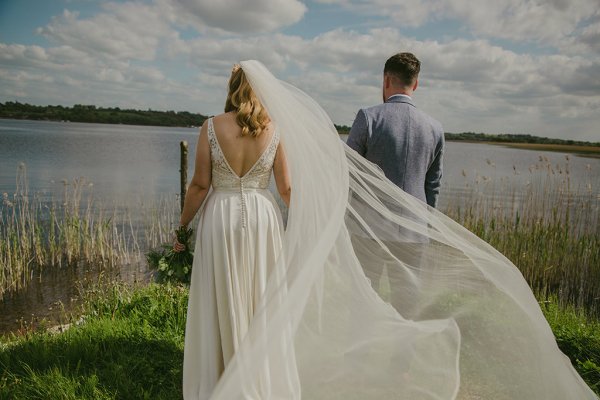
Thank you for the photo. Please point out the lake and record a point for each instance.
(126, 162)
(125, 166)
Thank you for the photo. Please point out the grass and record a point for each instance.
(579, 338)
(36, 234)
(129, 345)
(548, 229)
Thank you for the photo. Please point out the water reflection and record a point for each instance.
(119, 160)
(52, 294)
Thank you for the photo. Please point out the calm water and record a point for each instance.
(121, 161)
(125, 163)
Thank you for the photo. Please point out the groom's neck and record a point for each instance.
(407, 93)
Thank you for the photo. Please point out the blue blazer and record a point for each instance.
(405, 143)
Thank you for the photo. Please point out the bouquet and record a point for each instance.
(172, 266)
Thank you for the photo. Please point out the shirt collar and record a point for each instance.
(399, 95)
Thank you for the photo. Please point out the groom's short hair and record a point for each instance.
(404, 67)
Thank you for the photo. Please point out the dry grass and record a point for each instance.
(36, 234)
(549, 229)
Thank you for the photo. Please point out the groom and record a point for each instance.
(404, 141)
(408, 146)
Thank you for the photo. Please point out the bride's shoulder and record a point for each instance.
(223, 117)
(225, 121)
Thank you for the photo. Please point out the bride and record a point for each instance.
(239, 234)
(290, 315)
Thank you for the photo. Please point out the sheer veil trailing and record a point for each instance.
(377, 296)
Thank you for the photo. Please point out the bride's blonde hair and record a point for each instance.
(251, 115)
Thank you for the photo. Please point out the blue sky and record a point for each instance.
(505, 66)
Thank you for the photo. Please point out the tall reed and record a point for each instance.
(548, 228)
(36, 234)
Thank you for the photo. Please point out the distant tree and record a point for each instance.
(342, 129)
(116, 115)
(513, 138)
(91, 113)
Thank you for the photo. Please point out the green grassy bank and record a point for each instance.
(583, 150)
(130, 346)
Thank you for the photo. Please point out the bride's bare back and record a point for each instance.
(241, 151)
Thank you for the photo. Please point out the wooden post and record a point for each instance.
(183, 171)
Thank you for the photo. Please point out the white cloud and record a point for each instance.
(547, 22)
(238, 15)
(584, 41)
(468, 84)
(122, 31)
(529, 20)
(219, 54)
(410, 13)
(18, 53)
(591, 36)
(63, 75)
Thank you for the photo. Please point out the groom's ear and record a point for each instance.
(387, 81)
(416, 84)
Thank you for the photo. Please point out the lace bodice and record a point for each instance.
(223, 176)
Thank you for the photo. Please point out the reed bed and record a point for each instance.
(36, 233)
(547, 227)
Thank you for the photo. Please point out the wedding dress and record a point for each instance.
(237, 244)
(467, 327)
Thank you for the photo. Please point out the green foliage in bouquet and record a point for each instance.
(172, 266)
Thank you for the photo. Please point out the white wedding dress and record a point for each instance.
(238, 241)
(448, 318)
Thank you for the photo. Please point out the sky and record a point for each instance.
(503, 66)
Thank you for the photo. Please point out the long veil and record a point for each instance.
(377, 296)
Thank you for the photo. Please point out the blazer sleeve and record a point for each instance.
(359, 133)
(433, 178)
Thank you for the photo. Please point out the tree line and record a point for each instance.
(513, 138)
(91, 113)
(116, 115)
(110, 115)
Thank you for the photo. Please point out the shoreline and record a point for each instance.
(584, 151)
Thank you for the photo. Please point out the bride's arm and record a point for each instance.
(198, 188)
(282, 175)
